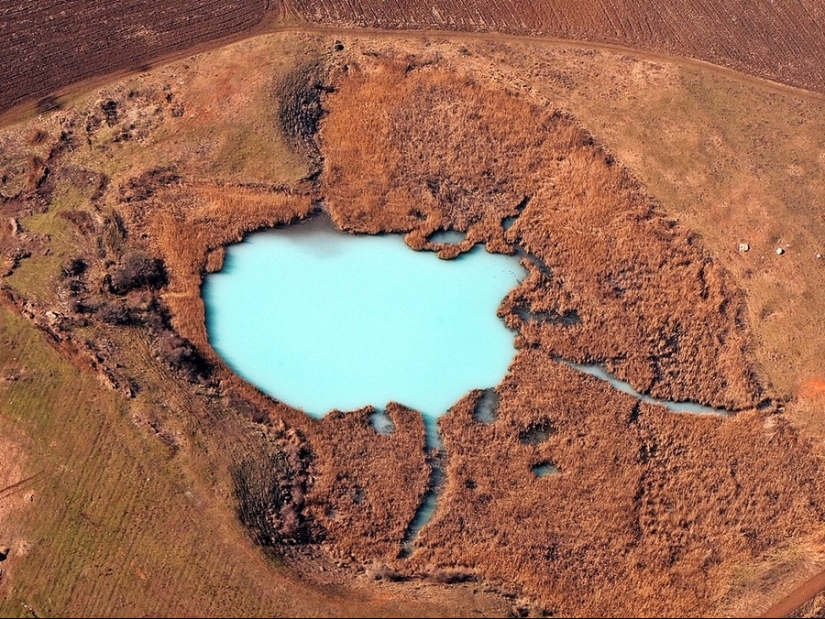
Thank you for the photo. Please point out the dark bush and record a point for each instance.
(247, 409)
(110, 110)
(182, 356)
(116, 313)
(78, 307)
(137, 270)
(147, 184)
(81, 220)
(384, 572)
(451, 576)
(75, 267)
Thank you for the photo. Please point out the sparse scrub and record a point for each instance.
(147, 184)
(301, 109)
(113, 313)
(271, 488)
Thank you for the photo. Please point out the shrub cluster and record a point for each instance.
(137, 269)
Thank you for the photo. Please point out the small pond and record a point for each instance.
(324, 320)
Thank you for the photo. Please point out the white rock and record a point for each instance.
(744, 247)
(819, 256)
(779, 251)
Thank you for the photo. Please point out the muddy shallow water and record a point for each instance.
(325, 320)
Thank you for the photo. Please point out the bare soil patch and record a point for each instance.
(54, 43)
(13, 480)
(17, 491)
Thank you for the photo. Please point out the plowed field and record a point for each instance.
(783, 41)
(49, 44)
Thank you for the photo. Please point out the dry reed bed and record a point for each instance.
(443, 152)
(369, 486)
(650, 514)
(651, 510)
(191, 225)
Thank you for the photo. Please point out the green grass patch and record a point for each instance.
(37, 276)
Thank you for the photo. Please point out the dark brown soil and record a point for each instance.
(50, 44)
(779, 41)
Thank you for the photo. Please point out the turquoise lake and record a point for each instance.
(322, 320)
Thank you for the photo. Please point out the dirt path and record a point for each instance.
(18, 486)
(798, 597)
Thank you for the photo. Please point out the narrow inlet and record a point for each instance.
(677, 407)
(429, 502)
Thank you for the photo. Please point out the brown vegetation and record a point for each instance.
(814, 608)
(648, 514)
(675, 509)
(369, 485)
(445, 153)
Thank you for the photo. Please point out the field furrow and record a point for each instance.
(51, 44)
(779, 41)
